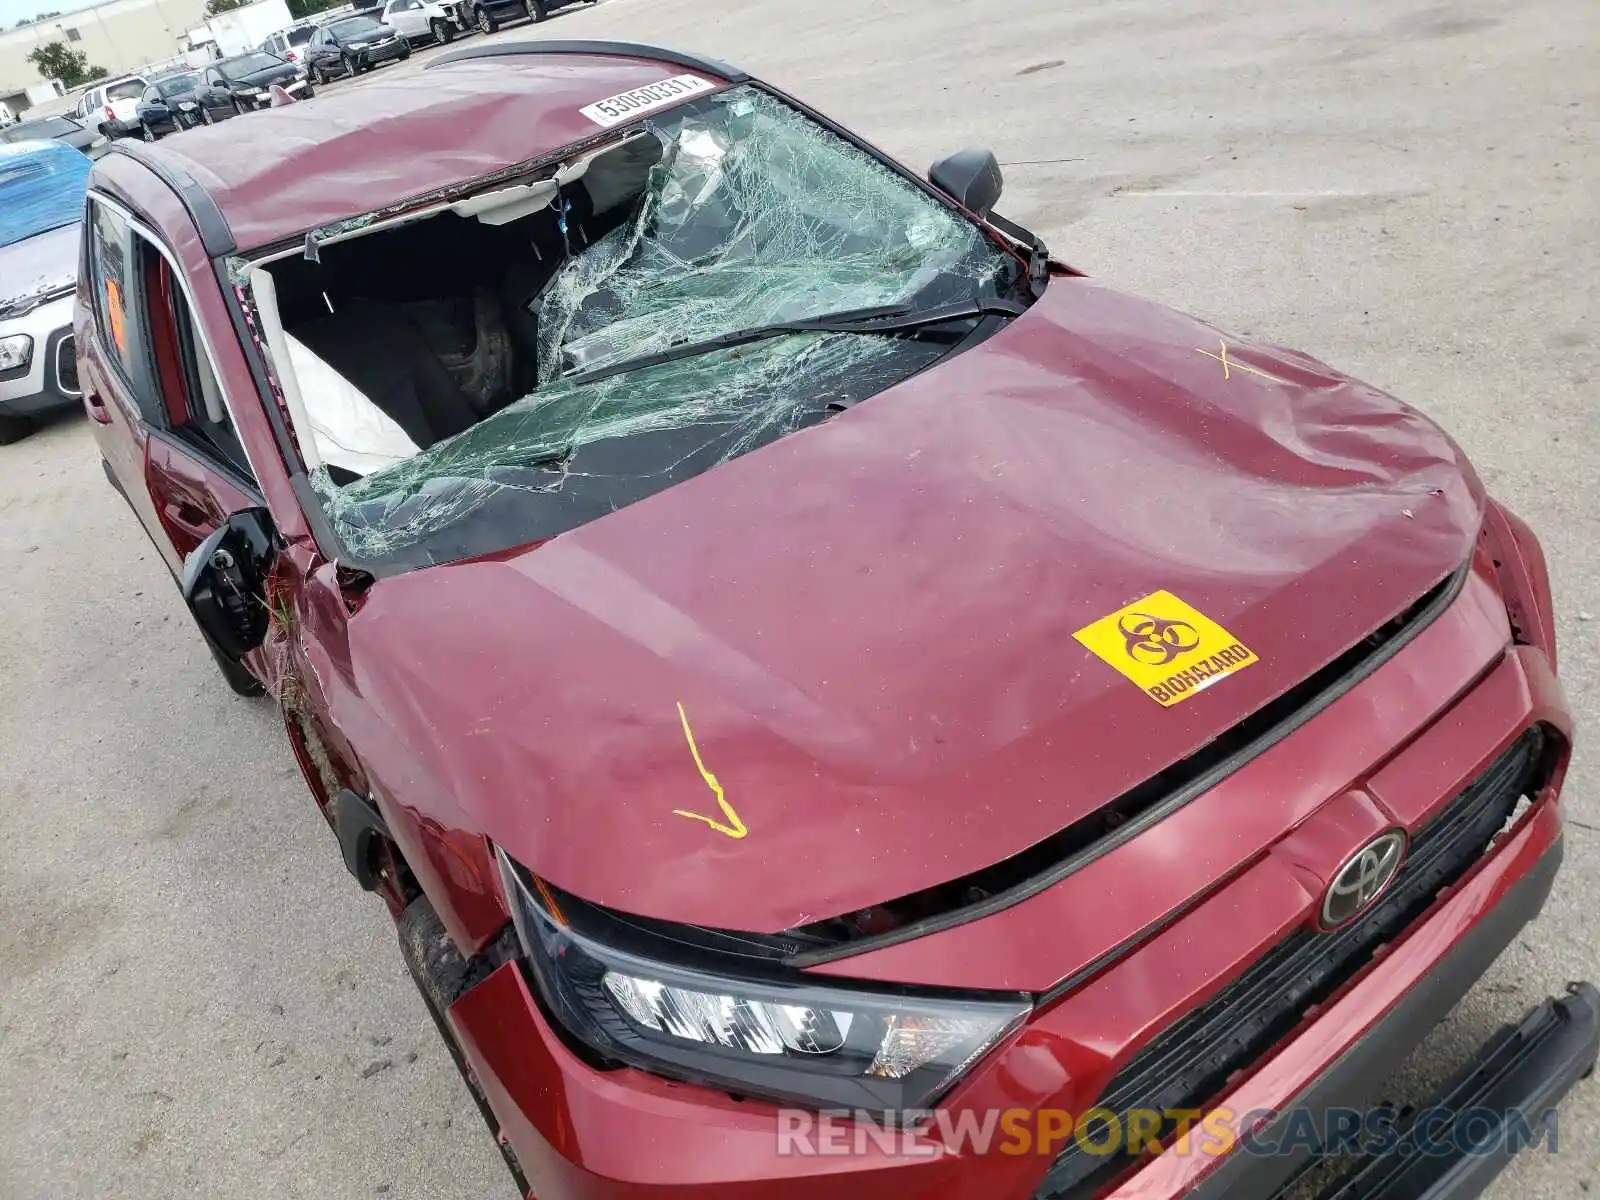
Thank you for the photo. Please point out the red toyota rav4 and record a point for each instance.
(837, 703)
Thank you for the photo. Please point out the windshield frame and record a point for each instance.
(233, 270)
(226, 66)
(348, 26)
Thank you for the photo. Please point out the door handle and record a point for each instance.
(96, 405)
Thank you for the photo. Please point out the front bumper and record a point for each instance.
(375, 55)
(578, 1132)
(50, 379)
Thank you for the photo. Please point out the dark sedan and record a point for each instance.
(52, 129)
(351, 46)
(169, 105)
(244, 84)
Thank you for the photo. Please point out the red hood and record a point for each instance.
(870, 623)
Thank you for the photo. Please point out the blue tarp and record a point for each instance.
(41, 188)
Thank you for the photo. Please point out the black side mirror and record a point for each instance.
(224, 582)
(969, 177)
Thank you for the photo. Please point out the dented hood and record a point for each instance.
(869, 626)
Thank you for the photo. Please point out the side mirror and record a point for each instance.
(969, 177)
(224, 582)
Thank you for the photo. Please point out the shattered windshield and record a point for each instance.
(453, 418)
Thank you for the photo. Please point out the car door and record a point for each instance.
(215, 97)
(406, 17)
(150, 384)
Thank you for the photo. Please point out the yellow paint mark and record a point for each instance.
(737, 829)
(1230, 364)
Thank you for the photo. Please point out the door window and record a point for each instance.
(112, 272)
(191, 397)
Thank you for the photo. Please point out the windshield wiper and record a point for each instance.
(887, 319)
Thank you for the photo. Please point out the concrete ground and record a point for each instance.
(194, 998)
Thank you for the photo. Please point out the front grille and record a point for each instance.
(1190, 1063)
(67, 366)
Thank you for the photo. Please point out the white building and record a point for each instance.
(120, 36)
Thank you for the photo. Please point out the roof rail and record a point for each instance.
(677, 58)
(215, 235)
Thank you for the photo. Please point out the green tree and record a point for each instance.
(213, 7)
(55, 61)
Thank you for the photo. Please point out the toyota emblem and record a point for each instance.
(1363, 878)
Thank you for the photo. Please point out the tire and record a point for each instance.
(538, 10)
(13, 429)
(205, 116)
(443, 33)
(406, 53)
(318, 78)
(486, 23)
(146, 132)
(350, 67)
(238, 109)
(309, 93)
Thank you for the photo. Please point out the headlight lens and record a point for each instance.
(249, 91)
(746, 1025)
(359, 45)
(186, 106)
(15, 351)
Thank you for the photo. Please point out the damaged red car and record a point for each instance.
(814, 678)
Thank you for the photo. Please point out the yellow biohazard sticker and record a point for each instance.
(1171, 651)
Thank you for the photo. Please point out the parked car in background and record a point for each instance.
(353, 45)
(111, 107)
(489, 15)
(244, 83)
(289, 44)
(60, 128)
(421, 21)
(169, 105)
(41, 208)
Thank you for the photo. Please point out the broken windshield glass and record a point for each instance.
(730, 212)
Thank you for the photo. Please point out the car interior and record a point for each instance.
(439, 350)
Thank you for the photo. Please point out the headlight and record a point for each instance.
(186, 106)
(249, 91)
(15, 351)
(744, 1023)
(359, 45)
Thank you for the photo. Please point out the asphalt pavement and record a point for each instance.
(195, 1000)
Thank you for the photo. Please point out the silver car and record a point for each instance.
(41, 211)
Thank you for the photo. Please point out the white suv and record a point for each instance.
(110, 106)
(289, 44)
(424, 20)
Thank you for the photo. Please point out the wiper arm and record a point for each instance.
(887, 319)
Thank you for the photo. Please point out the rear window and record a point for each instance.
(299, 37)
(128, 89)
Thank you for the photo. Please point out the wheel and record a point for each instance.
(538, 10)
(405, 52)
(13, 429)
(350, 67)
(317, 77)
(309, 92)
(146, 132)
(486, 23)
(238, 109)
(443, 33)
(205, 116)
